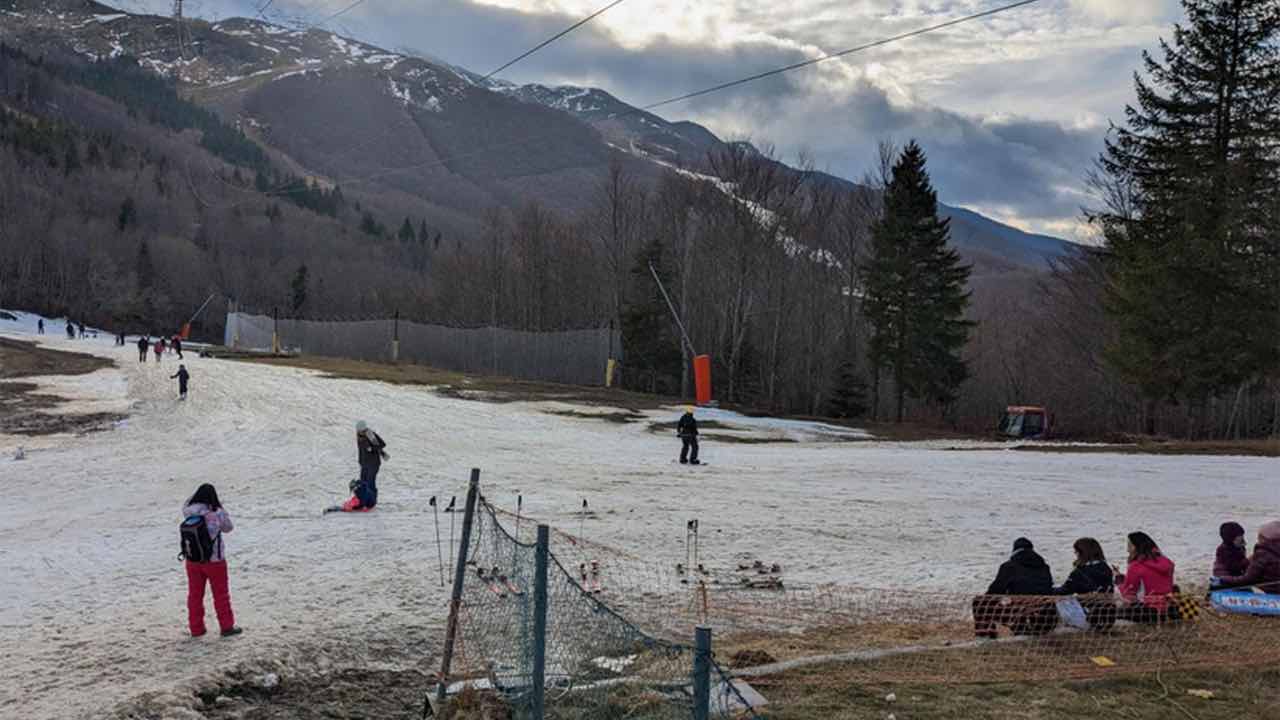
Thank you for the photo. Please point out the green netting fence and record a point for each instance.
(529, 648)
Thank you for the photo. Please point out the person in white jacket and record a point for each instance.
(204, 503)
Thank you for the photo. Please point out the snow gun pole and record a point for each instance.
(435, 508)
(672, 308)
(459, 575)
(453, 512)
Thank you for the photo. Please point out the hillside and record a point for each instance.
(429, 138)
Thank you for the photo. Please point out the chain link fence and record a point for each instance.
(576, 357)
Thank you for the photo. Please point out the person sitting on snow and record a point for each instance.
(1024, 573)
(371, 451)
(687, 430)
(1263, 570)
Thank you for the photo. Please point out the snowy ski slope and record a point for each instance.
(92, 598)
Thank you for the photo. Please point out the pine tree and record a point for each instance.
(128, 215)
(649, 337)
(406, 233)
(299, 288)
(1194, 260)
(915, 290)
(848, 391)
(143, 267)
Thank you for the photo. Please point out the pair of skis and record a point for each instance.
(497, 583)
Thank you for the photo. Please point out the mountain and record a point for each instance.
(417, 135)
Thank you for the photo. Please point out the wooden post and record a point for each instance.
(459, 575)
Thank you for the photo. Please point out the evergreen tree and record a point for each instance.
(1194, 259)
(848, 391)
(143, 267)
(406, 233)
(650, 338)
(71, 161)
(423, 235)
(128, 215)
(915, 290)
(299, 288)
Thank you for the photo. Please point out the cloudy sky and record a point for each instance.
(1011, 109)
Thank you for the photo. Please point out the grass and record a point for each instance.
(471, 387)
(1241, 694)
(1261, 447)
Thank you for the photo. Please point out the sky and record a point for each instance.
(1011, 110)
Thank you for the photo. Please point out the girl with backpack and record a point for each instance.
(205, 522)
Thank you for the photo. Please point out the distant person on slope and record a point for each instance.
(158, 349)
(177, 346)
(687, 430)
(40, 326)
(183, 376)
(204, 523)
(1024, 573)
(71, 331)
(143, 344)
(1147, 583)
(1264, 565)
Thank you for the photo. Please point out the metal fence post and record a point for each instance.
(702, 673)
(540, 621)
(460, 574)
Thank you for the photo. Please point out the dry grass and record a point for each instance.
(1262, 447)
(471, 387)
(22, 407)
(817, 692)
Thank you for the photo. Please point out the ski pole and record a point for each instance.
(439, 553)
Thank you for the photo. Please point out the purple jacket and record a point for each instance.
(1264, 569)
(1230, 560)
(218, 522)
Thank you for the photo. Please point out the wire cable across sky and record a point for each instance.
(834, 55)
(555, 37)
(706, 91)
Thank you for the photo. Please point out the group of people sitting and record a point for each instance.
(1095, 594)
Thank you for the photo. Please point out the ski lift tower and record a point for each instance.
(180, 25)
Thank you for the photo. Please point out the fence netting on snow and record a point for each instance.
(567, 356)
(619, 630)
(598, 664)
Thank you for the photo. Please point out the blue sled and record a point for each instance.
(1246, 602)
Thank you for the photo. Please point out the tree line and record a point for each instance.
(812, 298)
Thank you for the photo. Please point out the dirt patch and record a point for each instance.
(23, 408)
(347, 693)
(817, 692)
(471, 387)
(1266, 447)
(620, 418)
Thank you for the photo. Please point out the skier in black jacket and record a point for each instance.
(183, 376)
(687, 429)
(1024, 573)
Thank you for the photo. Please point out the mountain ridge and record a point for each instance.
(426, 128)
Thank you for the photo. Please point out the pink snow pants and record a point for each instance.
(214, 573)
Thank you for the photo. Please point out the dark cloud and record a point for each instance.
(1031, 168)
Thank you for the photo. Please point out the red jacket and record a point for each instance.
(1149, 580)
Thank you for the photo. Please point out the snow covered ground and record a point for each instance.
(92, 598)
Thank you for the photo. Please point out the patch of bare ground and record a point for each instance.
(23, 410)
(1262, 447)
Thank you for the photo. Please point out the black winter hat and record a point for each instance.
(1022, 544)
(1230, 531)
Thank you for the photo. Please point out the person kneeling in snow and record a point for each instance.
(371, 451)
